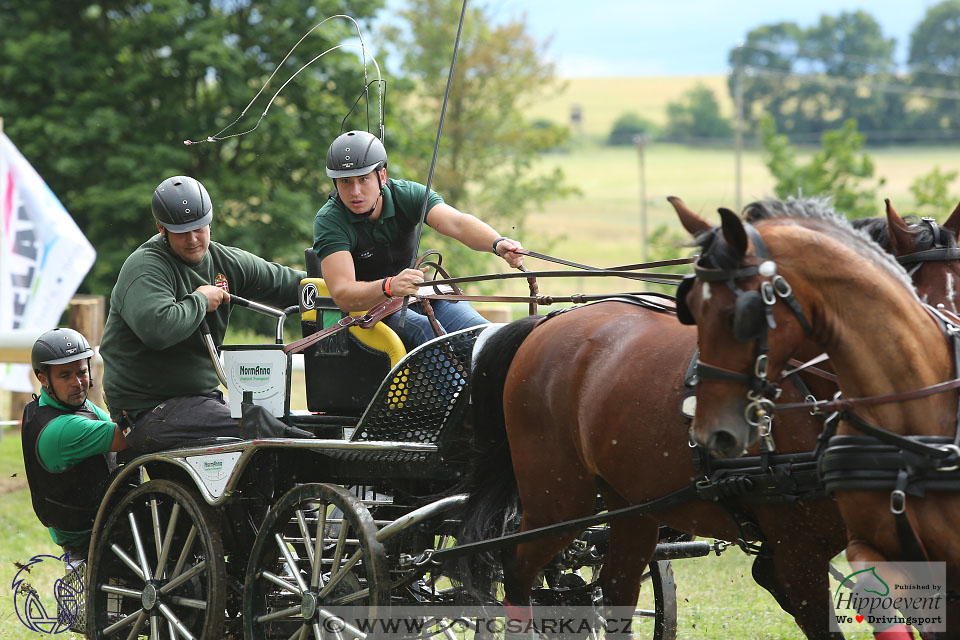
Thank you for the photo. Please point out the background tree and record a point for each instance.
(930, 192)
(840, 170)
(99, 95)
(934, 60)
(627, 127)
(697, 116)
(488, 149)
(812, 79)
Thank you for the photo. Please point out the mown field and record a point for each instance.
(601, 226)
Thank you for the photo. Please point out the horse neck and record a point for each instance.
(879, 337)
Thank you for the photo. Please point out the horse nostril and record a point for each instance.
(724, 443)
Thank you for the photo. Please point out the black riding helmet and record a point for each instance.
(181, 204)
(59, 346)
(355, 153)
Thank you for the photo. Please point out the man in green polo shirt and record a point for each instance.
(365, 237)
(66, 441)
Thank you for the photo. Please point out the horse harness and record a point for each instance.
(942, 246)
(877, 460)
(752, 320)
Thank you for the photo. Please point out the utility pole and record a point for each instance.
(738, 123)
(641, 140)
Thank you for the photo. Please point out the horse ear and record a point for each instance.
(733, 232)
(902, 239)
(953, 222)
(694, 224)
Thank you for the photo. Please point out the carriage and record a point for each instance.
(346, 505)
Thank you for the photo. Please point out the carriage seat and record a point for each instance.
(344, 370)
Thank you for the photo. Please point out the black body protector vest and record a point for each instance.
(373, 260)
(68, 500)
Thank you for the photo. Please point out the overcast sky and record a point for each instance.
(678, 37)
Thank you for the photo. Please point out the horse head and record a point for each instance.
(732, 298)
(919, 244)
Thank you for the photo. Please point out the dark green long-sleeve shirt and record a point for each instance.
(151, 346)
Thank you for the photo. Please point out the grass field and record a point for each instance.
(602, 100)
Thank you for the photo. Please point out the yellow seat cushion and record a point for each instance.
(379, 337)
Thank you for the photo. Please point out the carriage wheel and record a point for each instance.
(664, 610)
(317, 549)
(158, 569)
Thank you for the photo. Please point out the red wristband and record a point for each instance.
(386, 287)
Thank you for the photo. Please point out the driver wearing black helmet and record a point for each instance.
(365, 237)
(158, 380)
(66, 441)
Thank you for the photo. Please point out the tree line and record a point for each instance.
(99, 95)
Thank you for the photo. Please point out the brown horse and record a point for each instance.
(590, 399)
(863, 311)
(926, 250)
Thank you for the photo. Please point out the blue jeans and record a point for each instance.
(452, 316)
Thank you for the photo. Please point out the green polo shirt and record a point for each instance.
(335, 226)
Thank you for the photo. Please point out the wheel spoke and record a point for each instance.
(137, 625)
(167, 540)
(127, 560)
(338, 552)
(316, 578)
(191, 536)
(317, 633)
(291, 563)
(307, 542)
(335, 579)
(138, 543)
(280, 582)
(155, 520)
(175, 621)
(183, 577)
(327, 615)
(123, 622)
(299, 633)
(193, 603)
(120, 591)
(154, 628)
(352, 597)
(282, 613)
(171, 630)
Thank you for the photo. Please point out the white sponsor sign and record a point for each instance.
(260, 371)
(43, 255)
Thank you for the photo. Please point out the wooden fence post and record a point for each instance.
(87, 317)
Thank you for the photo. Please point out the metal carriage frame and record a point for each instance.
(260, 538)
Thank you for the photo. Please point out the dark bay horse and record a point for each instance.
(864, 312)
(590, 400)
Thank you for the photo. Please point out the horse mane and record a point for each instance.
(815, 213)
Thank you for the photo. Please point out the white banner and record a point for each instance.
(43, 255)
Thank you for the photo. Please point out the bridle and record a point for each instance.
(752, 320)
(942, 246)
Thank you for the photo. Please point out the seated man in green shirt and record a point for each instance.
(66, 441)
(158, 379)
(365, 237)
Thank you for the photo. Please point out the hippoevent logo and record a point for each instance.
(53, 614)
(872, 598)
